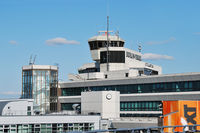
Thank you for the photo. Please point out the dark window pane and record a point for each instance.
(114, 57)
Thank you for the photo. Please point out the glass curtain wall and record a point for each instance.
(184, 86)
(41, 90)
(37, 84)
(27, 84)
(53, 91)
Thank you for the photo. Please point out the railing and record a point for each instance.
(162, 129)
(184, 129)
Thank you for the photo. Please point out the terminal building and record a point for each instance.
(117, 88)
(141, 86)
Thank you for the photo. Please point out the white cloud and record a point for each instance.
(197, 33)
(13, 42)
(151, 56)
(10, 93)
(161, 42)
(60, 41)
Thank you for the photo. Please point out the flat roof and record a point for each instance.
(35, 119)
(39, 67)
(193, 76)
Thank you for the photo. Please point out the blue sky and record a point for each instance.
(169, 31)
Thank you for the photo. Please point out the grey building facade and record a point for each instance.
(141, 96)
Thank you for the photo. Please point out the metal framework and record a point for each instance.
(148, 129)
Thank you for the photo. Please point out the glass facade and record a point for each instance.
(68, 106)
(113, 57)
(37, 84)
(53, 90)
(141, 106)
(127, 106)
(27, 82)
(184, 86)
(139, 115)
(100, 44)
(46, 128)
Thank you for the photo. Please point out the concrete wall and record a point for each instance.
(104, 102)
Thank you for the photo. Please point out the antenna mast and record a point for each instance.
(30, 60)
(139, 47)
(107, 43)
(34, 59)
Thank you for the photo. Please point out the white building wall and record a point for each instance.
(40, 67)
(113, 67)
(133, 73)
(95, 54)
(111, 107)
(91, 102)
(93, 75)
(17, 107)
(104, 102)
(116, 74)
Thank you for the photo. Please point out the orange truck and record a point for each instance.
(181, 113)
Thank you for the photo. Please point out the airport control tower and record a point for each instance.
(112, 60)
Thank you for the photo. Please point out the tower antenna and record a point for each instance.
(30, 60)
(34, 59)
(107, 44)
(139, 47)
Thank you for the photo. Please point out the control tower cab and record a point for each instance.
(98, 43)
(113, 61)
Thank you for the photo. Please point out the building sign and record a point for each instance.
(133, 56)
(181, 113)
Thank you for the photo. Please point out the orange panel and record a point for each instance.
(170, 113)
(181, 113)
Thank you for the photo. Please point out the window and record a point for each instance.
(190, 84)
(138, 88)
(126, 75)
(28, 113)
(106, 76)
(29, 108)
(25, 126)
(186, 85)
(140, 106)
(114, 57)
(68, 106)
(93, 45)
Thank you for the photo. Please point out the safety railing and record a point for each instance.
(162, 129)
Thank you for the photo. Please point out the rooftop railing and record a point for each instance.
(183, 128)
